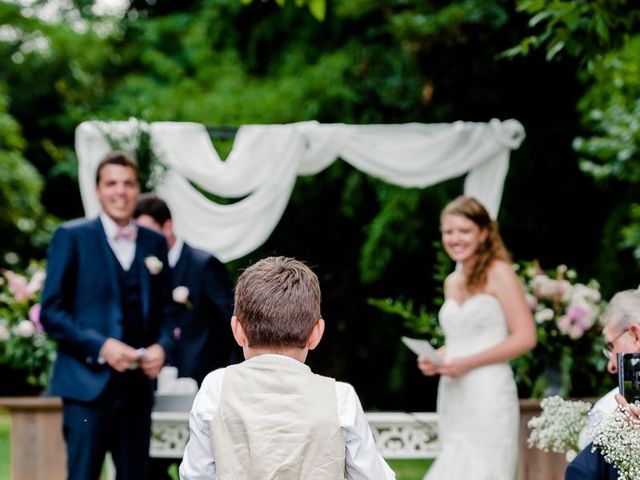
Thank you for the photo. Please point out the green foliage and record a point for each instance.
(579, 28)
(317, 8)
(604, 37)
(138, 143)
(397, 225)
(611, 109)
(22, 218)
(418, 322)
(631, 232)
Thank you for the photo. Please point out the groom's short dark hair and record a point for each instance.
(277, 302)
(116, 157)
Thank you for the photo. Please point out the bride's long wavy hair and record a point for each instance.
(491, 249)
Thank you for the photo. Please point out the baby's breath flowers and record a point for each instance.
(559, 425)
(618, 438)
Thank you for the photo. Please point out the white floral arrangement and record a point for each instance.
(618, 438)
(559, 425)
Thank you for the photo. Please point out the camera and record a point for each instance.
(629, 376)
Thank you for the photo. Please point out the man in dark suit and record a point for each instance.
(621, 330)
(203, 294)
(590, 465)
(106, 301)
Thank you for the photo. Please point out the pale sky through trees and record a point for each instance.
(52, 9)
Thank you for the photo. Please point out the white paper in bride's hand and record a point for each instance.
(422, 348)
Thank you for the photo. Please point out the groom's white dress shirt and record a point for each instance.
(123, 249)
(362, 460)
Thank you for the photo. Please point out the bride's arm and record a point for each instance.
(505, 285)
(427, 367)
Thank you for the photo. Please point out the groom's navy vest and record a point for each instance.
(131, 298)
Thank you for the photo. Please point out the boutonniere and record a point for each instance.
(153, 264)
(180, 295)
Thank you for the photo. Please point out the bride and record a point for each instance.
(486, 322)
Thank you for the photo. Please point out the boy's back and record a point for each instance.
(276, 419)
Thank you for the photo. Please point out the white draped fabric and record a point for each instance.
(265, 160)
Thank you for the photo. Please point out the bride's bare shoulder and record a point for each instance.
(499, 274)
(500, 267)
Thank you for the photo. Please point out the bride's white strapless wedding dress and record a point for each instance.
(478, 413)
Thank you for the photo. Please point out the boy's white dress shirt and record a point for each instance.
(362, 462)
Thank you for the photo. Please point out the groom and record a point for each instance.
(106, 303)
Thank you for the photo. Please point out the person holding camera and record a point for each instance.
(621, 330)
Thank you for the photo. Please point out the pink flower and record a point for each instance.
(177, 332)
(576, 312)
(564, 324)
(18, 286)
(34, 315)
(36, 282)
(583, 314)
(576, 321)
(548, 288)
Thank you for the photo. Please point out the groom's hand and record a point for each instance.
(152, 360)
(117, 354)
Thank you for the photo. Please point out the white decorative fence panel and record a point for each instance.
(397, 435)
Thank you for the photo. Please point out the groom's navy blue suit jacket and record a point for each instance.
(81, 303)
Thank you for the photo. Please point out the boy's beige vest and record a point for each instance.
(277, 420)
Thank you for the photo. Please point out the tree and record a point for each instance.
(604, 38)
(22, 218)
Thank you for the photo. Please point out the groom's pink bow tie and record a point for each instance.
(128, 232)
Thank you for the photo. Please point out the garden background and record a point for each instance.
(568, 70)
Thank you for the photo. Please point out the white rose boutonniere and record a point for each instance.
(153, 264)
(180, 295)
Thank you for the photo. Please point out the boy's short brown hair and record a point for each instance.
(277, 302)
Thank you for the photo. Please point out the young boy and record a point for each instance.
(270, 417)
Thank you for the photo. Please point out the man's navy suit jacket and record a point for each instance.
(204, 341)
(81, 303)
(590, 465)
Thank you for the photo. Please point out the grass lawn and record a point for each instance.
(405, 469)
(409, 469)
(5, 424)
